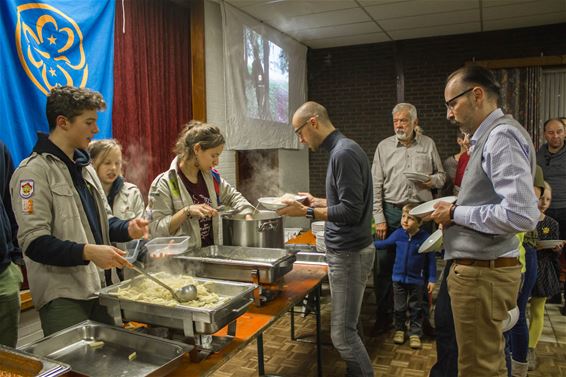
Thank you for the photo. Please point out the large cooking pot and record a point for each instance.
(265, 230)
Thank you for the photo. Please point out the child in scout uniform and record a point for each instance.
(124, 198)
(65, 224)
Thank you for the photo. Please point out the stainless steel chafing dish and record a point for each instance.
(119, 352)
(251, 264)
(25, 364)
(191, 321)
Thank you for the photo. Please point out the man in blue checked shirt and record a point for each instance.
(497, 201)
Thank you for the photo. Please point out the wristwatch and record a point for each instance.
(452, 209)
(310, 213)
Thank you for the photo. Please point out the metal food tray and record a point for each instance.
(25, 364)
(240, 262)
(304, 257)
(154, 356)
(191, 321)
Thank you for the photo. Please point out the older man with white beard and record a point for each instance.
(407, 150)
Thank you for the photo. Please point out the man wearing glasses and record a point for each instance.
(406, 151)
(496, 201)
(347, 210)
(552, 158)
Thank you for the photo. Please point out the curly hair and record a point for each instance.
(70, 102)
(195, 132)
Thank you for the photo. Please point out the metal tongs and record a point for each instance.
(184, 294)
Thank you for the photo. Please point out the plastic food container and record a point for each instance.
(168, 245)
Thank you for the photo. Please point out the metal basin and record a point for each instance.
(188, 319)
(154, 356)
(265, 230)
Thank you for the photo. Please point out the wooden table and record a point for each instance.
(302, 280)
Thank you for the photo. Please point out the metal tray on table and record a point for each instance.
(24, 364)
(113, 354)
(191, 320)
(240, 262)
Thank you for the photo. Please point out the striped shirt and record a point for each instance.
(506, 162)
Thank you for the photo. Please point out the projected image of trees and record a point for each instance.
(266, 78)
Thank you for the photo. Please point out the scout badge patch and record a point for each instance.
(26, 192)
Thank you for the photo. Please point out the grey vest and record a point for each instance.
(477, 190)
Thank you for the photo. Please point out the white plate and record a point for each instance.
(317, 226)
(273, 203)
(427, 208)
(416, 177)
(511, 320)
(432, 243)
(548, 244)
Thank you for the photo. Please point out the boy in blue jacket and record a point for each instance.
(408, 280)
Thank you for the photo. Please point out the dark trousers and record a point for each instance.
(408, 297)
(383, 270)
(446, 346)
(559, 214)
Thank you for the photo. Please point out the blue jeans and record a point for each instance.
(348, 272)
(519, 334)
(446, 345)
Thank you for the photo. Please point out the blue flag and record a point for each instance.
(46, 43)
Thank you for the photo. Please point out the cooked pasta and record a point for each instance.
(146, 290)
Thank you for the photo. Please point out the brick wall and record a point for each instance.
(357, 84)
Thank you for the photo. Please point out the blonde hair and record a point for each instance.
(407, 208)
(99, 149)
(195, 132)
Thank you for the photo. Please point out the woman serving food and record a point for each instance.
(187, 196)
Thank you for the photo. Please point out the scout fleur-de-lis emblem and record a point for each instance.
(50, 47)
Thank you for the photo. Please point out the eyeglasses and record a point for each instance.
(450, 103)
(298, 130)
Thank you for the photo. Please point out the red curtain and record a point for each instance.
(152, 84)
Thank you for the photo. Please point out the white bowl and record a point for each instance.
(273, 203)
(427, 208)
(416, 177)
(511, 320)
(548, 244)
(432, 243)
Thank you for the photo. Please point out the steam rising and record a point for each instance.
(136, 167)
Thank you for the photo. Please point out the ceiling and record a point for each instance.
(330, 23)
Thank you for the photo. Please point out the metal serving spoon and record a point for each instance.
(184, 294)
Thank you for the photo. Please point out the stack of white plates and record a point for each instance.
(317, 226)
(416, 177)
(320, 245)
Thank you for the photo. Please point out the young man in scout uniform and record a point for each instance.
(65, 224)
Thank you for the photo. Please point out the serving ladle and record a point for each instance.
(183, 294)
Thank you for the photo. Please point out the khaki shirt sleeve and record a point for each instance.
(439, 176)
(136, 204)
(163, 208)
(232, 198)
(377, 176)
(34, 214)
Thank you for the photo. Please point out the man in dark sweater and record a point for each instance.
(10, 274)
(347, 210)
